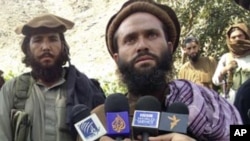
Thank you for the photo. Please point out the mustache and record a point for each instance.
(46, 54)
(143, 54)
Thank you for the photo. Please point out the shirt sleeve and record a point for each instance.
(218, 69)
(6, 104)
(210, 115)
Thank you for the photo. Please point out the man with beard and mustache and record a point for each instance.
(233, 67)
(142, 38)
(37, 105)
(198, 69)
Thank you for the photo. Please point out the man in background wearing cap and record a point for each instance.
(141, 38)
(233, 67)
(37, 105)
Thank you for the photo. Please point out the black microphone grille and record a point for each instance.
(148, 103)
(116, 102)
(178, 107)
(79, 112)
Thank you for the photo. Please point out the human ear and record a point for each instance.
(115, 57)
(170, 47)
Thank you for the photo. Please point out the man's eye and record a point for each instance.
(129, 41)
(54, 39)
(37, 40)
(152, 35)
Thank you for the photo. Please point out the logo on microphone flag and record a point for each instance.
(90, 128)
(147, 119)
(173, 122)
(117, 123)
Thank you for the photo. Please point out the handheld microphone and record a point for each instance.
(78, 113)
(88, 126)
(146, 117)
(175, 119)
(117, 116)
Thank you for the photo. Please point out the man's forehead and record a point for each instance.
(140, 21)
(53, 34)
(141, 18)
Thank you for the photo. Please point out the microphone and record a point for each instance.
(88, 126)
(117, 116)
(175, 119)
(146, 117)
(79, 112)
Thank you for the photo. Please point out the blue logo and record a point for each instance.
(146, 119)
(89, 129)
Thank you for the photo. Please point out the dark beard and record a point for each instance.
(148, 81)
(194, 58)
(49, 73)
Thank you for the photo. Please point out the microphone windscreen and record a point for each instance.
(175, 119)
(79, 112)
(148, 103)
(178, 108)
(117, 116)
(116, 103)
(146, 117)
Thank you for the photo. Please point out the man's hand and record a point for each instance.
(166, 137)
(172, 137)
(106, 138)
(232, 65)
(229, 68)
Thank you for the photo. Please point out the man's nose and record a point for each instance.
(45, 45)
(192, 50)
(142, 44)
(237, 38)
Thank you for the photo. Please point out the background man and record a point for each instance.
(198, 69)
(233, 67)
(38, 103)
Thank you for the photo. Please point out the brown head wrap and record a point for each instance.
(43, 24)
(162, 12)
(241, 47)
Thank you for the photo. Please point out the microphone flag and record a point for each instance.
(173, 122)
(117, 123)
(146, 119)
(90, 128)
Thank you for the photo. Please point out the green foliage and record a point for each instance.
(111, 83)
(111, 87)
(9, 75)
